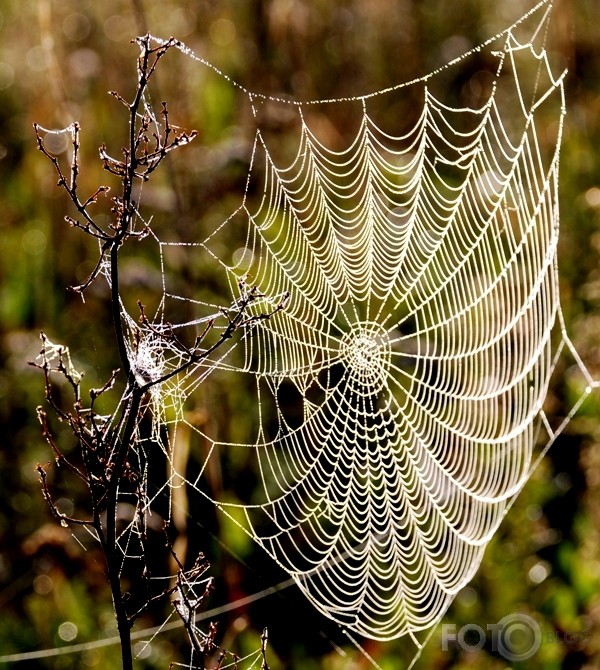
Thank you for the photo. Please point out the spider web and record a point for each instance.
(398, 396)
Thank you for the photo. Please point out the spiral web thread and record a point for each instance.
(399, 395)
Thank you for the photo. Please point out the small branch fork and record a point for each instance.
(106, 460)
(149, 142)
(237, 317)
(188, 603)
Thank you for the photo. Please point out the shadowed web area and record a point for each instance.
(395, 401)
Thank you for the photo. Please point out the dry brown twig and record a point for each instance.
(105, 459)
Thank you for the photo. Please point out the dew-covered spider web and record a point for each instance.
(407, 276)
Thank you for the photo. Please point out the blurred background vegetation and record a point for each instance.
(57, 62)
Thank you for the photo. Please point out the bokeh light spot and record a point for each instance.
(116, 28)
(7, 75)
(222, 32)
(36, 58)
(43, 585)
(34, 241)
(56, 142)
(76, 26)
(67, 631)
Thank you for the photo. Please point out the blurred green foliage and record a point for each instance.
(57, 61)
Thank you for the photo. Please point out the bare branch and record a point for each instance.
(64, 519)
(109, 457)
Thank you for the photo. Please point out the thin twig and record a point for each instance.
(111, 460)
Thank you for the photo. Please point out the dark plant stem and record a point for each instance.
(118, 464)
(111, 547)
(123, 624)
(116, 307)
